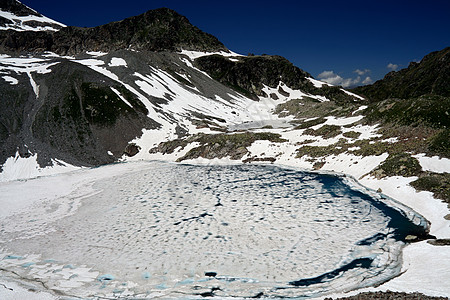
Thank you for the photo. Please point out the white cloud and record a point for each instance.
(334, 79)
(361, 72)
(392, 67)
(368, 80)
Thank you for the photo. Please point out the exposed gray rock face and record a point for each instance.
(76, 117)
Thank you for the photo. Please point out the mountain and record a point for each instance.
(429, 76)
(157, 30)
(18, 17)
(150, 72)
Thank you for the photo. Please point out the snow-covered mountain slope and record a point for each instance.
(148, 97)
(17, 16)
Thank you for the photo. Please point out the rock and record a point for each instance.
(132, 149)
(439, 242)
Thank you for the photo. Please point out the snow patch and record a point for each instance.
(196, 54)
(318, 83)
(34, 85)
(342, 121)
(434, 164)
(11, 80)
(120, 96)
(352, 94)
(118, 62)
(96, 53)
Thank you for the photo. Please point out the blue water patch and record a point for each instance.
(146, 275)
(27, 265)
(162, 286)
(105, 277)
(69, 267)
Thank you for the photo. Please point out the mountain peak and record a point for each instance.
(159, 29)
(155, 30)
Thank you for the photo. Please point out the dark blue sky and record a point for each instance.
(317, 36)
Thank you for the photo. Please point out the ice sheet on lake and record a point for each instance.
(148, 228)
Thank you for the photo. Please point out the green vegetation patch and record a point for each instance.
(351, 134)
(401, 164)
(438, 184)
(371, 147)
(232, 145)
(310, 123)
(440, 143)
(326, 131)
(217, 145)
(427, 110)
(131, 98)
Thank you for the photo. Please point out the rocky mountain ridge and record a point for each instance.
(155, 30)
(429, 76)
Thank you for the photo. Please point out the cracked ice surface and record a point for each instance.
(157, 228)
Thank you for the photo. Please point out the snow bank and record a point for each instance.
(24, 168)
(434, 164)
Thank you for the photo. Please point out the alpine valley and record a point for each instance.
(92, 114)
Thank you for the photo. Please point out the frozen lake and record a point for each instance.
(154, 229)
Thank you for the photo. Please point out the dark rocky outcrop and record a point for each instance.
(132, 149)
(155, 30)
(248, 75)
(388, 295)
(430, 76)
